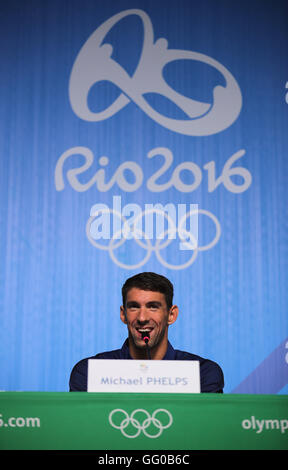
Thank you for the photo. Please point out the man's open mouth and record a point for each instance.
(146, 330)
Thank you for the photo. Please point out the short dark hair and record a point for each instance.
(149, 281)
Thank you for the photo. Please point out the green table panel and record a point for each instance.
(65, 421)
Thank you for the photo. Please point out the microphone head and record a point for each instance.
(145, 336)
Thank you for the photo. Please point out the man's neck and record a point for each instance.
(141, 353)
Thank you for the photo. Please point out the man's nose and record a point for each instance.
(143, 315)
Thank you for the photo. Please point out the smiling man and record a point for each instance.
(148, 310)
(146, 313)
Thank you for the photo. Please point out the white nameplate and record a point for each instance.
(148, 376)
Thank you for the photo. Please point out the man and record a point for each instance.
(148, 310)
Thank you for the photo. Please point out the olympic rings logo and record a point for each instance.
(145, 424)
(124, 232)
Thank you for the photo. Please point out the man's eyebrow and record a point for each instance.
(132, 303)
(154, 303)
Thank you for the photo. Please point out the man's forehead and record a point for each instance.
(138, 295)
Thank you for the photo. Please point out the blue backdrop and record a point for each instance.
(130, 104)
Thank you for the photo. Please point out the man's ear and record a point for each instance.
(123, 315)
(173, 314)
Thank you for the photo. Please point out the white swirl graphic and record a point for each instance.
(140, 424)
(144, 241)
(94, 64)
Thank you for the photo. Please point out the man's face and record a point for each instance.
(146, 311)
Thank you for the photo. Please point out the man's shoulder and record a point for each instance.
(211, 374)
(188, 356)
(78, 376)
(205, 364)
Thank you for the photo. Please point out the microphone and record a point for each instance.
(146, 338)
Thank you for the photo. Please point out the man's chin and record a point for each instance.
(139, 343)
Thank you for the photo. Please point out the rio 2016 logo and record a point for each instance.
(94, 64)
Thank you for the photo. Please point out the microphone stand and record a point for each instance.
(145, 337)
